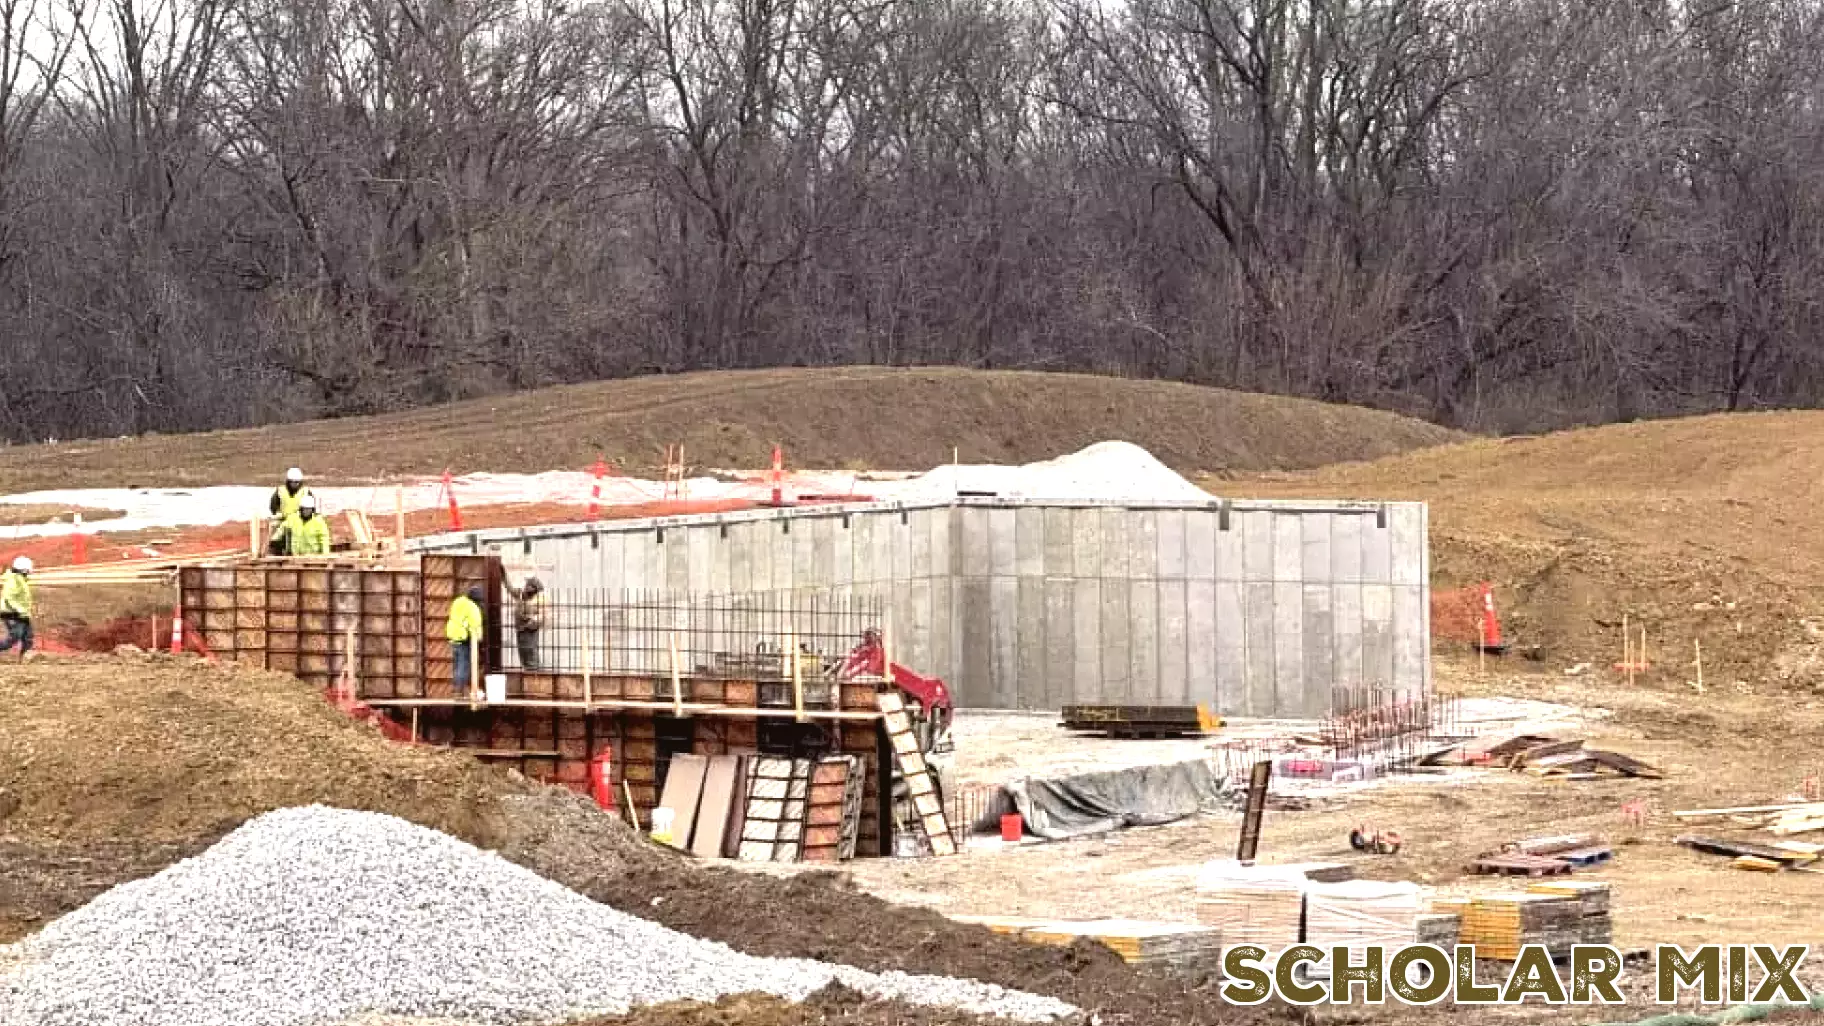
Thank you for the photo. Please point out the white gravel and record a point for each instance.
(317, 915)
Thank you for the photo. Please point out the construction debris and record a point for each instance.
(1541, 756)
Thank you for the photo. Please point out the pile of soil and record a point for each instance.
(114, 767)
(841, 418)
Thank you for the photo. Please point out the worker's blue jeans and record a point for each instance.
(18, 632)
(460, 684)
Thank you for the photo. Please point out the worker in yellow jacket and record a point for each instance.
(284, 504)
(307, 534)
(464, 631)
(16, 606)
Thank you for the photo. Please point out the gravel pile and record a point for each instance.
(317, 915)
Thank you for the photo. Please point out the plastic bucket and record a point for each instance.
(494, 687)
(1012, 827)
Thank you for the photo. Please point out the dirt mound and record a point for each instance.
(169, 750)
(1696, 529)
(112, 768)
(858, 417)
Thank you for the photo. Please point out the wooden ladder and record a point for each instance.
(928, 820)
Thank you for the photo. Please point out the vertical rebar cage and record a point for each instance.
(728, 636)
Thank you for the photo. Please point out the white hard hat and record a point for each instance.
(22, 565)
(294, 474)
(308, 502)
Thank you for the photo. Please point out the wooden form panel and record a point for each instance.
(302, 620)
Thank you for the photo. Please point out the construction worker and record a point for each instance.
(307, 534)
(16, 606)
(284, 505)
(528, 620)
(464, 631)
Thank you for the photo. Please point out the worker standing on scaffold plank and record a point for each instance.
(307, 534)
(16, 606)
(285, 503)
(463, 632)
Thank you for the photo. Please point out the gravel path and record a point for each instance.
(315, 915)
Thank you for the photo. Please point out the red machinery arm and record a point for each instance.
(869, 659)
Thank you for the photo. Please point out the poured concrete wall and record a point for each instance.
(1259, 609)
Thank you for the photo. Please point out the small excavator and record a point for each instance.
(928, 698)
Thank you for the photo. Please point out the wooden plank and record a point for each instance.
(682, 795)
(720, 793)
(1716, 846)
(1740, 809)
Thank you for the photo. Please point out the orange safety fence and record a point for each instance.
(1467, 615)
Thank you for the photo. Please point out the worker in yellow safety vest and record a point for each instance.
(463, 630)
(16, 606)
(307, 534)
(285, 502)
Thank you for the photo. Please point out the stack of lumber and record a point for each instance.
(1499, 925)
(1138, 942)
(1359, 914)
(1592, 896)
(1543, 756)
(1783, 820)
(131, 571)
(1261, 905)
(1132, 721)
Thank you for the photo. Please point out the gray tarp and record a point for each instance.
(1095, 803)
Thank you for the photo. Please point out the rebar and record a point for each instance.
(727, 636)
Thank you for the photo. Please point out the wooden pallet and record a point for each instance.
(928, 820)
(1582, 858)
(1520, 865)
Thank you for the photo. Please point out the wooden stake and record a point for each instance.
(1627, 649)
(1481, 651)
(253, 537)
(791, 645)
(677, 679)
(154, 646)
(398, 518)
(414, 724)
(633, 813)
(1697, 647)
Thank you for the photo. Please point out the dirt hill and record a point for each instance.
(853, 418)
(1701, 529)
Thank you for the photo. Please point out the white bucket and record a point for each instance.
(661, 824)
(495, 685)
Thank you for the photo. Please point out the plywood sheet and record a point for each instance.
(683, 792)
(720, 792)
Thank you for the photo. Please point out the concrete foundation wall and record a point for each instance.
(1259, 609)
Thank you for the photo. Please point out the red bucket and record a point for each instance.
(1012, 827)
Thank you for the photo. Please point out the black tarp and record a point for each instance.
(1095, 803)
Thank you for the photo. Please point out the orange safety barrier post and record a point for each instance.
(598, 471)
(449, 492)
(80, 543)
(778, 476)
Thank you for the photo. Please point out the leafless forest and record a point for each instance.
(1500, 214)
